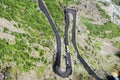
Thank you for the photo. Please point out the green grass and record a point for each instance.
(104, 3)
(27, 14)
(55, 10)
(117, 44)
(108, 30)
(102, 12)
(98, 45)
(116, 1)
(6, 30)
(18, 53)
(35, 24)
(39, 31)
(69, 2)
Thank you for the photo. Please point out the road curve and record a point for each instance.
(56, 65)
(86, 66)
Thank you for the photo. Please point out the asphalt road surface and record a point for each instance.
(56, 65)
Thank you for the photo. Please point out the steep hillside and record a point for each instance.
(27, 42)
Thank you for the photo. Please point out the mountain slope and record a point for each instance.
(27, 41)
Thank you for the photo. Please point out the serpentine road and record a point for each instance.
(56, 65)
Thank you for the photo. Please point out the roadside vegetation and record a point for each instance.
(107, 30)
(39, 37)
(102, 11)
(38, 31)
(116, 2)
(117, 44)
(104, 3)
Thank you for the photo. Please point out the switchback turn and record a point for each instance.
(56, 65)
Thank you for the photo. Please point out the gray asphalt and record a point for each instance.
(56, 65)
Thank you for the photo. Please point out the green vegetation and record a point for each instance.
(6, 30)
(55, 11)
(28, 15)
(117, 44)
(102, 12)
(116, 2)
(108, 30)
(38, 31)
(37, 28)
(69, 2)
(98, 45)
(104, 3)
(19, 54)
